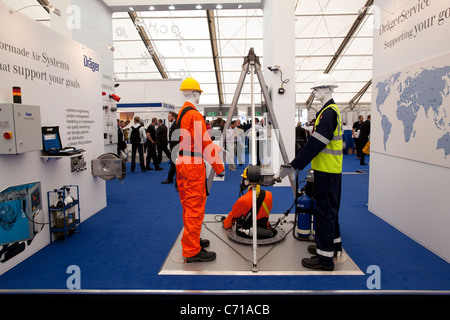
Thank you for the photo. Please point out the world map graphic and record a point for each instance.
(417, 99)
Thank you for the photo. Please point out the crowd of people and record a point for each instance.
(360, 136)
(155, 140)
(149, 143)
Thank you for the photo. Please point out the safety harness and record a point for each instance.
(189, 153)
(246, 222)
(178, 125)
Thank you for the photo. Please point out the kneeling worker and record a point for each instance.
(241, 213)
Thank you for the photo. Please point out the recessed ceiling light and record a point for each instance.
(218, 6)
(151, 8)
(171, 8)
(198, 6)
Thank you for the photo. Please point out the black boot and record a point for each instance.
(204, 243)
(312, 249)
(314, 263)
(202, 256)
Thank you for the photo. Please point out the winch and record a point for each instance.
(109, 166)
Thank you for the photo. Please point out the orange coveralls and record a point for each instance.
(243, 205)
(191, 176)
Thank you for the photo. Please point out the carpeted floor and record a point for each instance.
(124, 246)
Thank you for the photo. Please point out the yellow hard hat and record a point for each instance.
(245, 173)
(190, 84)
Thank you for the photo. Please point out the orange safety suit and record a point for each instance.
(195, 145)
(244, 204)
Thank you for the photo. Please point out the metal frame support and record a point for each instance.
(359, 94)
(215, 52)
(253, 59)
(343, 45)
(254, 163)
(252, 66)
(149, 45)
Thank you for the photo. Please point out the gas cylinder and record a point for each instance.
(304, 205)
(71, 211)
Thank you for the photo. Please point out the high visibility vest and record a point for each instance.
(330, 158)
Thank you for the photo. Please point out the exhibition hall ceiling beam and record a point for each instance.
(359, 94)
(44, 4)
(345, 42)
(215, 53)
(148, 44)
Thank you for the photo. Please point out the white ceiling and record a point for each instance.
(181, 39)
(182, 42)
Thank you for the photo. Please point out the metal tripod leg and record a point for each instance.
(275, 123)
(254, 163)
(237, 93)
(251, 57)
(251, 62)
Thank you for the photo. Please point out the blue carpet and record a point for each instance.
(124, 245)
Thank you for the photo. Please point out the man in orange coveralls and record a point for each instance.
(241, 213)
(195, 145)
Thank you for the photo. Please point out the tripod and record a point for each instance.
(252, 66)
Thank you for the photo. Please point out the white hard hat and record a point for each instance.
(325, 80)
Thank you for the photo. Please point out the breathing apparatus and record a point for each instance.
(304, 203)
(61, 202)
(244, 182)
(252, 175)
(252, 178)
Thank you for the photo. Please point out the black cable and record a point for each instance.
(295, 200)
(32, 220)
(283, 81)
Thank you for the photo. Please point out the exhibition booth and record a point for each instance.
(73, 215)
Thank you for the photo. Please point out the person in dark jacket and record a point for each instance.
(172, 117)
(162, 140)
(301, 137)
(364, 138)
(356, 130)
(121, 143)
(151, 146)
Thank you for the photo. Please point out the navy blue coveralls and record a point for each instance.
(327, 189)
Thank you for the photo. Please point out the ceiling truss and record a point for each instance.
(343, 45)
(148, 44)
(215, 53)
(222, 81)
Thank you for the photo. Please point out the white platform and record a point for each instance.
(281, 258)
